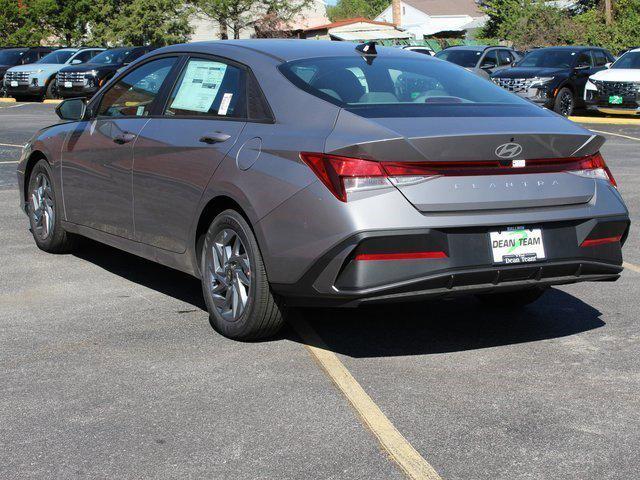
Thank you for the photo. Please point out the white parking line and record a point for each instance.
(412, 464)
(9, 161)
(616, 135)
(11, 145)
(631, 266)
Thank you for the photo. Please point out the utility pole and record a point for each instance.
(607, 12)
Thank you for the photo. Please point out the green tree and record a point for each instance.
(140, 22)
(66, 20)
(19, 26)
(356, 8)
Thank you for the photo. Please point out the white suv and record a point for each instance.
(617, 89)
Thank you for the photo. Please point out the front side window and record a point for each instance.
(211, 88)
(600, 58)
(628, 60)
(111, 57)
(57, 57)
(133, 94)
(505, 57)
(11, 57)
(491, 58)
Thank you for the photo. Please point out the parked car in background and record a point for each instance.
(413, 179)
(554, 77)
(86, 79)
(419, 49)
(37, 80)
(10, 57)
(616, 90)
(482, 60)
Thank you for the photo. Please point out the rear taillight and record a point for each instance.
(343, 175)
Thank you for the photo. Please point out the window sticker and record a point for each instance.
(224, 104)
(199, 86)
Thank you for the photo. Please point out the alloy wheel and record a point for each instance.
(229, 275)
(566, 103)
(43, 207)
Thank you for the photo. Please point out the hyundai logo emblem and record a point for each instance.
(509, 150)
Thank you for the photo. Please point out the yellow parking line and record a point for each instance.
(392, 441)
(617, 135)
(52, 100)
(606, 120)
(631, 266)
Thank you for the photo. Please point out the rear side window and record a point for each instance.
(133, 94)
(394, 85)
(209, 88)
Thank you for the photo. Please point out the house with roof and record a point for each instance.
(435, 18)
(356, 30)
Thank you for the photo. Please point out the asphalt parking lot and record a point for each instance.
(109, 369)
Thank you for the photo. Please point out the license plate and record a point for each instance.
(14, 83)
(517, 245)
(68, 84)
(615, 100)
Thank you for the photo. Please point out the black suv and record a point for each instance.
(554, 77)
(10, 57)
(86, 79)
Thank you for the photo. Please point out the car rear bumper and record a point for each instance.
(340, 279)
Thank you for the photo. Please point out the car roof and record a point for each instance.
(568, 48)
(284, 50)
(475, 48)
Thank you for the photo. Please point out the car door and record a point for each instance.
(97, 157)
(583, 70)
(177, 152)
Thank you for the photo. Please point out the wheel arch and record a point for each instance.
(212, 208)
(34, 158)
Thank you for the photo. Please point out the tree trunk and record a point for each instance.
(224, 30)
(607, 12)
(236, 30)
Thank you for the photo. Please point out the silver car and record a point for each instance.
(298, 173)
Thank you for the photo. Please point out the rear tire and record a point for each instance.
(565, 102)
(43, 211)
(234, 281)
(514, 299)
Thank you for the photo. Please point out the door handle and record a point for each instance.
(212, 138)
(126, 137)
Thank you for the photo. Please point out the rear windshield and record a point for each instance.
(464, 58)
(549, 59)
(59, 56)
(628, 60)
(395, 86)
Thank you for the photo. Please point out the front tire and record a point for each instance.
(565, 102)
(513, 299)
(234, 281)
(43, 212)
(52, 90)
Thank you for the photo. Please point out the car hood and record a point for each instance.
(86, 67)
(34, 67)
(445, 138)
(528, 72)
(618, 75)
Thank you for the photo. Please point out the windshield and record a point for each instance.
(59, 56)
(464, 58)
(628, 60)
(10, 57)
(394, 86)
(549, 59)
(111, 57)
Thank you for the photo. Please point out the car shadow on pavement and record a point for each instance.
(143, 272)
(436, 326)
(442, 326)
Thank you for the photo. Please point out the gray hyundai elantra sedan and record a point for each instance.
(299, 173)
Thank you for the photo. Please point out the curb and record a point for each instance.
(607, 120)
(7, 100)
(52, 100)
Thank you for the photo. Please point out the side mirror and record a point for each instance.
(76, 62)
(72, 109)
(488, 66)
(608, 65)
(583, 66)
